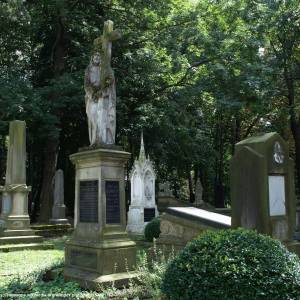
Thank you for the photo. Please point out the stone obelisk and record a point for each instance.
(15, 219)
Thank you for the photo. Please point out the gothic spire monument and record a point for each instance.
(99, 250)
(142, 208)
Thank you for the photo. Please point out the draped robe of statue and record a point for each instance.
(100, 89)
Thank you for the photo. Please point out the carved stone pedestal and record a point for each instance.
(100, 250)
(17, 223)
(14, 219)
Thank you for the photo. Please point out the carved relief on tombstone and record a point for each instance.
(149, 185)
(142, 208)
(136, 189)
(278, 153)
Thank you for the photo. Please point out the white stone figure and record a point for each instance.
(198, 193)
(142, 207)
(92, 99)
(100, 89)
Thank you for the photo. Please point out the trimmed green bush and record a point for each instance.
(152, 229)
(233, 264)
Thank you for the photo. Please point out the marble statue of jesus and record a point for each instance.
(100, 90)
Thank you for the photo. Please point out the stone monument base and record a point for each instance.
(16, 224)
(100, 250)
(136, 229)
(92, 280)
(59, 221)
(92, 264)
(138, 218)
(59, 215)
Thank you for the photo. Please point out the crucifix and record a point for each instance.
(103, 45)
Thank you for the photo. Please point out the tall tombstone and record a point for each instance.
(59, 208)
(100, 250)
(16, 228)
(142, 208)
(165, 197)
(165, 190)
(262, 187)
(198, 193)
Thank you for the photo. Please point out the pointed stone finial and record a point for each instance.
(142, 156)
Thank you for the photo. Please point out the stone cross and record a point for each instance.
(103, 44)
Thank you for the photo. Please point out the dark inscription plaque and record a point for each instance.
(88, 201)
(149, 214)
(112, 192)
(83, 259)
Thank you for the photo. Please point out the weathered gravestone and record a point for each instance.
(262, 187)
(15, 218)
(198, 193)
(142, 208)
(165, 197)
(100, 250)
(59, 208)
(179, 225)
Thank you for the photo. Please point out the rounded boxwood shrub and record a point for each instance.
(152, 229)
(233, 264)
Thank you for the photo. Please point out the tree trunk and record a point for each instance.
(46, 199)
(219, 193)
(294, 123)
(236, 132)
(58, 57)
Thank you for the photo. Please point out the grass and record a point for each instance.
(23, 273)
(21, 263)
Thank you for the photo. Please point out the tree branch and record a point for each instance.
(184, 77)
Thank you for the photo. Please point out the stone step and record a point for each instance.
(19, 247)
(50, 226)
(23, 232)
(20, 239)
(54, 232)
